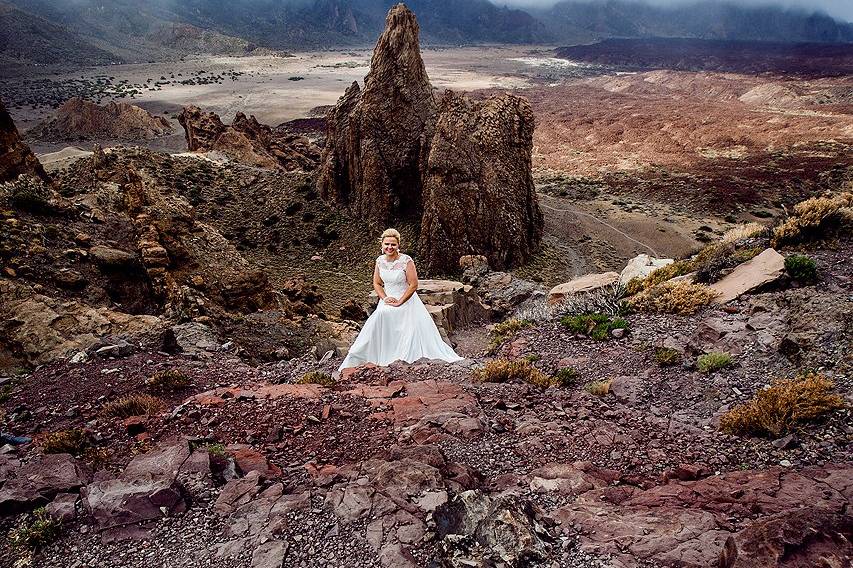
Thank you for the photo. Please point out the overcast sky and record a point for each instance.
(840, 9)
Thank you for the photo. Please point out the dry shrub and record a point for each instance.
(317, 378)
(504, 371)
(662, 274)
(133, 405)
(168, 380)
(776, 410)
(743, 232)
(64, 442)
(608, 300)
(673, 298)
(815, 218)
(598, 388)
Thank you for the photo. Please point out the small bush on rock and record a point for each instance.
(776, 410)
(673, 298)
(64, 442)
(133, 405)
(504, 331)
(37, 531)
(816, 218)
(30, 194)
(667, 356)
(168, 380)
(595, 326)
(714, 361)
(317, 378)
(801, 268)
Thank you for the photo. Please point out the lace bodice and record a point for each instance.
(393, 274)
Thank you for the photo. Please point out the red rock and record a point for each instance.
(16, 158)
(37, 482)
(273, 392)
(248, 459)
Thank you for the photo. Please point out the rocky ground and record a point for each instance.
(420, 465)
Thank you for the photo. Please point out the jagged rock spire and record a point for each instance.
(377, 135)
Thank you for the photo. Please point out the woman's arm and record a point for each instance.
(378, 285)
(412, 280)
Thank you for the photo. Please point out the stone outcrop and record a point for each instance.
(78, 119)
(247, 141)
(463, 167)
(478, 191)
(16, 158)
(641, 266)
(378, 136)
(580, 285)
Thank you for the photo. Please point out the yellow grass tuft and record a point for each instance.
(673, 298)
(815, 218)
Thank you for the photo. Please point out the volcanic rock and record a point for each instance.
(37, 482)
(16, 158)
(478, 191)
(463, 167)
(79, 119)
(763, 269)
(377, 137)
(641, 266)
(247, 141)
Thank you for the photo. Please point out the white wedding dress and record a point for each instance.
(391, 333)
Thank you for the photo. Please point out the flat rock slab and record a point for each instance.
(37, 482)
(581, 285)
(763, 269)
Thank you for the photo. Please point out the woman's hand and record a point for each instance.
(392, 301)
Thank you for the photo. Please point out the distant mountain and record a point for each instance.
(79, 32)
(703, 20)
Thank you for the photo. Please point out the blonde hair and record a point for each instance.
(391, 233)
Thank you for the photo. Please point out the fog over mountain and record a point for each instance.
(99, 31)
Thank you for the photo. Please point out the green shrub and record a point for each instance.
(64, 442)
(565, 377)
(667, 356)
(714, 361)
(317, 378)
(217, 449)
(776, 410)
(801, 268)
(504, 331)
(37, 531)
(595, 326)
(133, 405)
(168, 380)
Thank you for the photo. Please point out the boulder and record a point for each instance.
(767, 267)
(641, 266)
(118, 502)
(37, 482)
(16, 158)
(581, 285)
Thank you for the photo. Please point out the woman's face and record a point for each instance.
(390, 246)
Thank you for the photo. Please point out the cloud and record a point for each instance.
(839, 9)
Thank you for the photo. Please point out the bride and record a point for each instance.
(400, 328)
